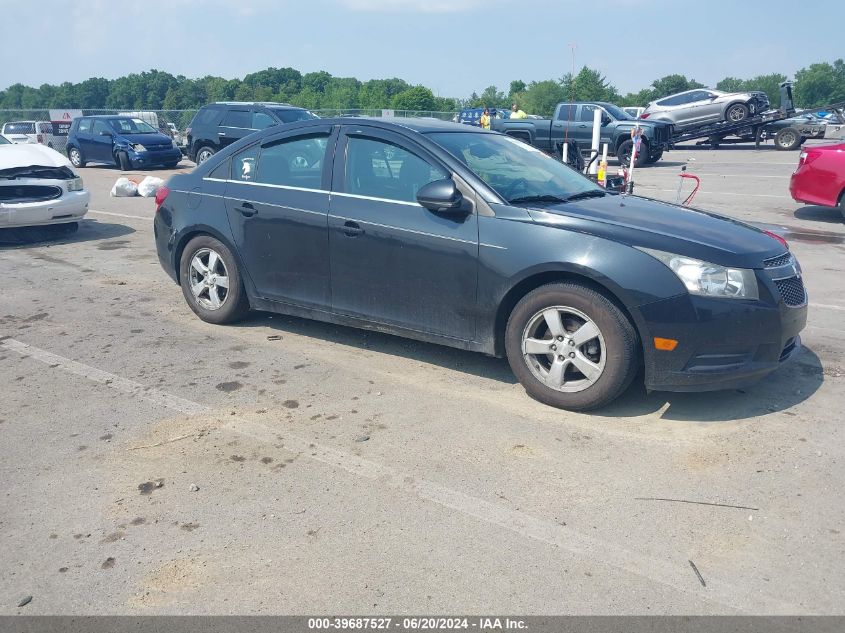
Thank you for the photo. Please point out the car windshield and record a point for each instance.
(131, 126)
(289, 115)
(23, 127)
(617, 113)
(516, 171)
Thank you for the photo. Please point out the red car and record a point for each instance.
(820, 177)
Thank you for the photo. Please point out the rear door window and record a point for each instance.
(238, 118)
(84, 126)
(294, 162)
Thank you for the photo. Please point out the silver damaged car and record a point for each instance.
(701, 106)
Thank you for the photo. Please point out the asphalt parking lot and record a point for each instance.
(153, 463)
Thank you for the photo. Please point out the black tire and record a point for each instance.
(573, 158)
(123, 161)
(714, 142)
(204, 153)
(74, 155)
(171, 165)
(620, 341)
(235, 304)
(653, 158)
(841, 204)
(788, 139)
(737, 112)
(624, 153)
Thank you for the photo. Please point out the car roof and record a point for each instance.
(266, 104)
(416, 124)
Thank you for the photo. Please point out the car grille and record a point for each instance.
(792, 291)
(16, 194)
(780, 260)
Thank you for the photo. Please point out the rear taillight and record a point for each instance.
(645, 115)
(778, 238)
(161, 196)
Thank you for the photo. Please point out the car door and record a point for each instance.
(236, 123)
(101, 143)
(277, 200)
(82, 136)
(701, 107)
(392, 260)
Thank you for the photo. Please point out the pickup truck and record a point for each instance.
(574, 122)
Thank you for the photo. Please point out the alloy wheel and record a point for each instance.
(564, 349)
(209, 279)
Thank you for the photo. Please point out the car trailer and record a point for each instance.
(752, 128)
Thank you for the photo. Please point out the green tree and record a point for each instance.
(417, 98)
(541, 97)
(671, 84)
(820, 84)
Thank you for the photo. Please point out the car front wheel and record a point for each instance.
(736, 113)
(571, 347)
(211, 281)
(75, 157)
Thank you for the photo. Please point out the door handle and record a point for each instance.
(247, 210)
(582, 125)
(351, 229)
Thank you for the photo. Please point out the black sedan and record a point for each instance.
(469, 238)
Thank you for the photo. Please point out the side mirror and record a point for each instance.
(441, 196)
(605, 119)
(106, 133)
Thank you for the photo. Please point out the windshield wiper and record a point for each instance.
(543, 198)
(592, 193)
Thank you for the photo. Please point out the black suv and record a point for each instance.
(219, 124)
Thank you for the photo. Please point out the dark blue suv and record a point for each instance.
(125, 141)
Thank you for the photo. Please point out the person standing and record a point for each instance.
(516, 113)
(484, 121)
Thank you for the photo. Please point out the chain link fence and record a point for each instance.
(174, 123)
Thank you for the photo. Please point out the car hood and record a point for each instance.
(658, 225)
(30, 154)
(147, 139)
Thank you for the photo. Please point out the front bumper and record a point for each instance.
(722, 343)
(154, 157)
(71, 207)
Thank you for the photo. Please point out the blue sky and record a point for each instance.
(453, 46)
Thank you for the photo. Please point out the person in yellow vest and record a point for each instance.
(484, 121)
(516, 113)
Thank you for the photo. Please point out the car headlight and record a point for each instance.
(138, 147)
(709, 280)
(74, 184)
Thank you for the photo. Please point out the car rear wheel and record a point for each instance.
(788, 139)
(75, 157)
(653, 158)
(571, 347)
(736, 113)
(624, 153)
(204, 154)
(841, 204)
(211, 281)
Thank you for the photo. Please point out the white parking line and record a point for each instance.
(671, 572)
(827, 306)
(120, 215)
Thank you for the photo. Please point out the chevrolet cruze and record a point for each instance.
(460, 236)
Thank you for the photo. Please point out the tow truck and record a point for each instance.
(753, 128)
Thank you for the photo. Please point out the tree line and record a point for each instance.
(816, 85)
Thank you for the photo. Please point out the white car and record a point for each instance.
(30, 132)
(38, 186)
